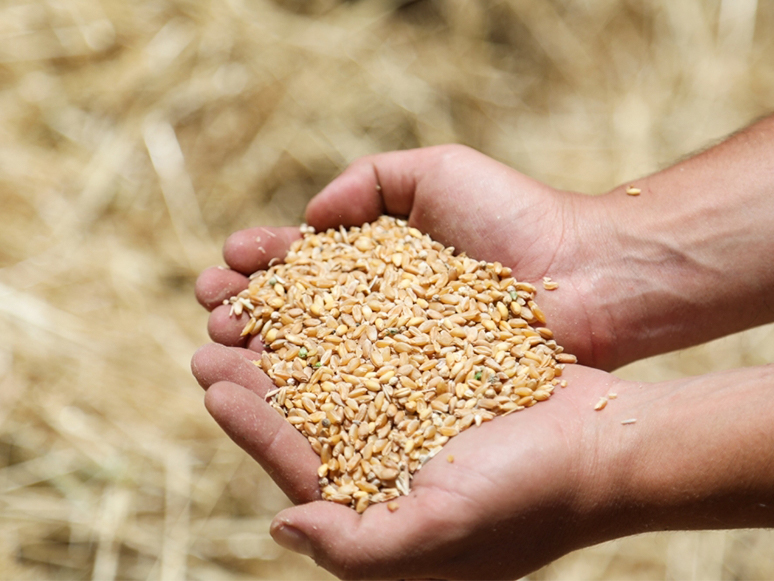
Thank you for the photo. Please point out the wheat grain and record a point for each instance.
(383, 344)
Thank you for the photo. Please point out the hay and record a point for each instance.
(136, 136)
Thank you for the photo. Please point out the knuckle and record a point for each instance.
(345, 565)
(447, 157)
(364, 162)
(451, 150)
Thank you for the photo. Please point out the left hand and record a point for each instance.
(521, 490)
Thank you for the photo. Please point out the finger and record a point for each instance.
(251, 250)
(381, 543)
(225, 328)
(218, 284)
(371, 186)
(273, 442)
(213, 363)
(254, 343)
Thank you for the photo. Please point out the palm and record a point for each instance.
(507, 491)
(505, 494)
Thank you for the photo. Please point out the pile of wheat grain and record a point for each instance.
(383, 345)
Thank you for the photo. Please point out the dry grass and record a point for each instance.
(135, 136)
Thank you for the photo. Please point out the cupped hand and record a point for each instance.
(499, 500)
(463, 199)
(521, 489)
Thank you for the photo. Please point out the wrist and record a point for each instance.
(689, 258)
(590, 310)
(602, 504)
(625, 277)
(699, 455)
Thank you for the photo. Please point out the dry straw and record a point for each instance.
(383, 345)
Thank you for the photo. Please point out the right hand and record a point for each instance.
(464, 199)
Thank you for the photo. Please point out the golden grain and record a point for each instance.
(383, 345)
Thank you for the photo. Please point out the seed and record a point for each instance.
(541, 318)
(388, 474)
(600, 405)
(392, 506)
(367, 486)
(276, 302)
(566, 358)
(372, 385)
(448, 431)
(362, 504)
(383, 345)
(632, 191)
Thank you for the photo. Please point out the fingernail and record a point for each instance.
(291, 538)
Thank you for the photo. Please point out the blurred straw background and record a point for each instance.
(135, 136)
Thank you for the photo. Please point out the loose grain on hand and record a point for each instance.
(383, 345)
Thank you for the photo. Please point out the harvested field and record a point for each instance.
(136, 136)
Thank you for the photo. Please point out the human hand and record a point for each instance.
(526, 488)
(656, 482)
(462, 199)
(521, 490)
(286, 455)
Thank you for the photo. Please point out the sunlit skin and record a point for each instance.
(462, 199)
(527, 488)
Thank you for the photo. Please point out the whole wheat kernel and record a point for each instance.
(383, 344)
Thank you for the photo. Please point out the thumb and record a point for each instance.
(371, 186)
(389, 540)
